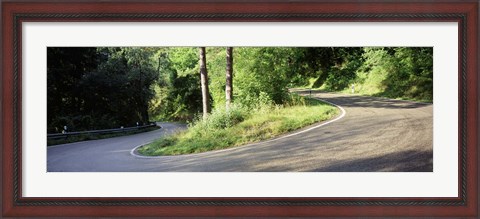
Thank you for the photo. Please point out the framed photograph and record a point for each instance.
(396, 81)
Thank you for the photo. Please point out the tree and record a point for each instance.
(263, 71)
(204, 83)
(66, 66)
(98, 88)
(229, 78)
(142, 74)
(178, 93)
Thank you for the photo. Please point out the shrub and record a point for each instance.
(220, 118)
(295, 100)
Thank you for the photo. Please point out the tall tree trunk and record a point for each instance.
(204, 82)
(229, 78)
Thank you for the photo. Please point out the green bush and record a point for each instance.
(220, 118)
(296, 100)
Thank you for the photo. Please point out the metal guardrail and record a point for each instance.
(97, 132)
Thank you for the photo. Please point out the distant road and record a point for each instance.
(376, 134)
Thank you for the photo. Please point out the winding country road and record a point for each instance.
(375, 134)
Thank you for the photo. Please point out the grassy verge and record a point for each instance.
(370, 94)
(86, 137)
(365, 91)
(238, 126)
(372, 85)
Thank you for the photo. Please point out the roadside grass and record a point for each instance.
(371, 85)
(239, 126)
(86, 137)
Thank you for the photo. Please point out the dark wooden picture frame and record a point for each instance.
(14, 13)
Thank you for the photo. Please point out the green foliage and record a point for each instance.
(178, 95)
(65, 69)
(343, 73)
(333, 67)
(415, 68)
(269, 73)
(184, 60)
(216, 65)
(186, 98)
(404, 72)
(109, 87)
(95, 88)
(220, 118)
(370, 76)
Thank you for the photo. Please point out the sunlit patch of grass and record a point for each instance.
(245, 126)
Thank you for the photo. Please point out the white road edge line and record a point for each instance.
(132, 152)
(317, 126)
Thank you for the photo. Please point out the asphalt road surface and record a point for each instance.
(374, 134)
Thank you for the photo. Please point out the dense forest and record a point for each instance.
(96, 88)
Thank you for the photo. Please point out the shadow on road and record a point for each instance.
(366, 101)
(405, 161)
(375, 102)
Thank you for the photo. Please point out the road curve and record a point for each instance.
(376, 134)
